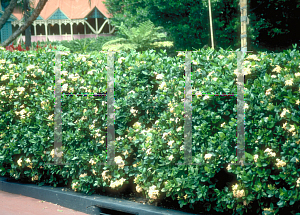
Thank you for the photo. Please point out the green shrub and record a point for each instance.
(148, 117)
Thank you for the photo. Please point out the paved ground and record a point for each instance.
(15, 204)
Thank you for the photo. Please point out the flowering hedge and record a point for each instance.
(149, 123)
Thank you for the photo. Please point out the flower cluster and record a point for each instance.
(284, 111)
(270, 153)
(280, 163)
(237, 193)
(289, 82)
(207, 156)
(82, 175)
(119, 161)
(73, 186)
(35, 178)
(117, 183)
(138, 189)
(268, 91)
(277, 69)
(104, 175)
(153, 193)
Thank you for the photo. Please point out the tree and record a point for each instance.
(28, 30)
(27, 24)
(8, 11)
(146, 36)
(187, 22)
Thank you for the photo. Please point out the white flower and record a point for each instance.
(178, 129)
(207, 156)
(268, 91)
(194, 62)
(273, 76)
(268, 150)
(215, 79)
(30, 67)
(181, 148)
(74, 77)
(222, 124)
(153, 192)
(64, 87)
(255, 158)
(246, 106)
(65, 73)
(91, 72)
(92, 161)
(277, 69)
(139, 189)
(104, 175)
(162, 85)
(121, 59)
(137, 125)
(280, 163)
(170, 142)
(206, 97)
(297, 74)
(292, 128)
(160, 76)
(82, 175)
(27, 160)
(19, 162)
(148, 151)
(4, 77)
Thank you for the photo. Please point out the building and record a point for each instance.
(67, 20)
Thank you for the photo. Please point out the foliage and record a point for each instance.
(146, 36)
(149, 90)
(187, 22)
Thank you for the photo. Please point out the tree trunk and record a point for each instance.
(31, 19)
(8, 11)
(28, 30)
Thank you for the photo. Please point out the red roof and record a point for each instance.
(73, 9)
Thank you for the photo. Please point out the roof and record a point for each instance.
(73, 9)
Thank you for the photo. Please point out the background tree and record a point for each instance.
(188, 20)
(9, 9)
(144, 37)
(26, 7)
(36, 12)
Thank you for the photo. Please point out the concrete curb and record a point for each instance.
(93, 204)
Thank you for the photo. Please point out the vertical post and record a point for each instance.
(96, 27)
(240, 111)
(34, 25)
(188, 111)
(243, 5)
(84, 28)
(59, 28)
(57, 112)
(46, 30)
(109, 26)
(240, 87)
(110, 110)
(211, 27)
(71, 26)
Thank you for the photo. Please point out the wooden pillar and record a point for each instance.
(59, 28)
(211, 27)
(244, 22)
(109, 26)
(46, 30)
(71, 26)
(96, 27)
(84, 28)
(34, 25)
